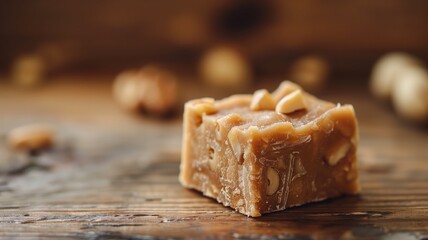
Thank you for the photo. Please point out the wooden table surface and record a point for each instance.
(114, 175)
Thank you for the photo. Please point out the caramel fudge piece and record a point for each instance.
(266, 152)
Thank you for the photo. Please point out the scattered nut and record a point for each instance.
(285, 88)
(149, 89)
(291, 103)
(410, 94)
(262, 100)
(127, 90)
(28, 70)
(273, 181)
(337, 153)
(311, 72)
(31, 138)
(403, 79)
(225, 67)
(387, 70)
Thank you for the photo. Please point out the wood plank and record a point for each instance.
(121, 180)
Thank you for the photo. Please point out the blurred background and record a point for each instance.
(111, 35)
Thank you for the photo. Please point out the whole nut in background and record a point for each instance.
(150, 89)
(31, 137)
(311, 72)
(410, 94)
(386, 71)
(127, 90)
(225, 67)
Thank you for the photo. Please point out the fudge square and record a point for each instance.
(267, 152)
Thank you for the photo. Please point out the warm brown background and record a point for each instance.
(117, 34)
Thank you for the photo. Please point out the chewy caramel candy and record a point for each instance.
(266, 152)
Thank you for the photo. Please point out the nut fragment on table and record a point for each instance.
(150, 89)
(32, 137)
(225, 67)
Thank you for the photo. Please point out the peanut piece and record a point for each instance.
(205, 106)
(291, 103)
(285, 88)
(262, 100)
(236, 146)
(338, 153)
(273, 181)
(30, 137)
(202, 107)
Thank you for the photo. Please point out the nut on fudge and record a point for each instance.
(266, 152)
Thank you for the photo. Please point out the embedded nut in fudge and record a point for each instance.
(258, 157)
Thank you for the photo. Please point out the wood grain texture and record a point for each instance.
(120, 182)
